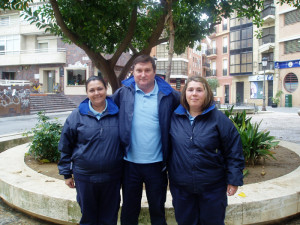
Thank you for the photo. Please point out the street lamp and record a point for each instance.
(264, 63)
(155, 59)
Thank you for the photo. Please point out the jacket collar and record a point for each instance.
(112, 108)
(163, 86)
(182, 111)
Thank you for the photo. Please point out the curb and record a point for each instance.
(50, 199)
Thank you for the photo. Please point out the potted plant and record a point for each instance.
(276, 99)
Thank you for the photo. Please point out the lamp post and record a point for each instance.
(155, 59)
(264, 63)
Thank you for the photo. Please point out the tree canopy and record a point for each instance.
(102, 27)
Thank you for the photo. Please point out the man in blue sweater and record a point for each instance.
(146, 103)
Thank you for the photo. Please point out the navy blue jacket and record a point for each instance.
(90, 148)
(206, 154)
(168, 100)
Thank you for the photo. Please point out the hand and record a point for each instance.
(70, 182)
(231, 190)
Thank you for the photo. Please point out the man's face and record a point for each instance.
(144, 76)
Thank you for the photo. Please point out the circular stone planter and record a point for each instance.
(50, 199)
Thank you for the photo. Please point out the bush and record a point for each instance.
(256, 144)
(45, 139)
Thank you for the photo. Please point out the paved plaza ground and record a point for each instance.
(283, 123)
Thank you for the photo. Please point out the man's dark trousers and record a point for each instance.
(155, 178)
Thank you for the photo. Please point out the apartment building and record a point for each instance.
(287, 63)
(183, 65)
(216, 61)
(263, 80)
(249, 81)
(27, 53)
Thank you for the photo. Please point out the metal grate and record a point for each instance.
(291, 82)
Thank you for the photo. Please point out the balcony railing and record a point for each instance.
(14, 82)
(269, 10)
(270, 66)
(207, 65)
(267, 39)
(212, 51)
(208, 73)
(32, 51)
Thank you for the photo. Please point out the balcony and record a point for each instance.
(208, 73)
(16, 26)
(269, 68)
(268, 14)
(206, 66)
(267, 43)
(212, 53)
(32, 57)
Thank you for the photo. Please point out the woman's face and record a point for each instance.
(96, 92)
(195, 95)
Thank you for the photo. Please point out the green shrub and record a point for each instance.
(45, 139)
(256, 144)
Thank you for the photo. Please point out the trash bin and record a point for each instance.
(288, 100)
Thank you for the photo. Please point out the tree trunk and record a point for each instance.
(171, 42)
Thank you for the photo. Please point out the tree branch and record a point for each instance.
(127, 39)
(133, 49)
(72, 36)
(157, 32)
(160, 41)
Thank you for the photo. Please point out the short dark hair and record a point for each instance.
(209, 97)
(92, 78)
(144, 59)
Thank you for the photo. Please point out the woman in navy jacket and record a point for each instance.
(206, 160)
(91, 155)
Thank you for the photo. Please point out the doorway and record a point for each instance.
(49, 81)
(226, 94)
(239, 92)
(270, 92)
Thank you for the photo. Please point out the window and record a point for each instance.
(224, 24)
(214, 47)
(76, 77)
(247, 37)
(268, 35)
(292, 17)
(241, 63)
(4, 21)
(256, 89)
(178, 67)
(235, 21)
(9, 44)
(292, 46)
(291, 82)
(235, 40)
(162, 52)
(43, 47)
(214, 68)
(225, 43)
(8, 75)
(225, 67)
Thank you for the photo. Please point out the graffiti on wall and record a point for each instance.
(14, 102)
